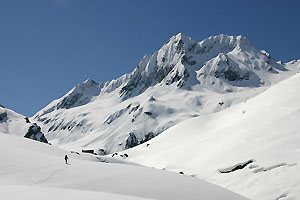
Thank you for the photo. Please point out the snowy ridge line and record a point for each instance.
(182, 80)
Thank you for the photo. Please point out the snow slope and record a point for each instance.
(182, 80)
(251, 148)
(33, 170)
(16, 124)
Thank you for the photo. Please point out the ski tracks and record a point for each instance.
(51, 175)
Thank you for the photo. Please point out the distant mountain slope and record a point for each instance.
(181, 80)
(251, 148)
(16, 124)
(34, 171)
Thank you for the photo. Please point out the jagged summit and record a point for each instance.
(223, 40)
(177, 62)
(180, 37)
(184, 79)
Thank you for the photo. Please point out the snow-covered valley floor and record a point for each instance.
(30, 170)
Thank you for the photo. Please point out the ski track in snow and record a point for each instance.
(51, 175)
(24, 170)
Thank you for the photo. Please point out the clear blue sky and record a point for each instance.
(48, 46)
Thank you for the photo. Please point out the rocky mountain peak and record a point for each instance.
(183, 79)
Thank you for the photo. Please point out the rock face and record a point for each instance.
(131, 141)
(3, 116)
(34, 133)
(148, 137)
(181, 80)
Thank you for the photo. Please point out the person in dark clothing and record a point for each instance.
(66, 159)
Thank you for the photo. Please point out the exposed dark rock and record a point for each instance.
(75, 152)
(174, 79)
(148, 113)
(136, 81)
(125, 155)
(91, 151)
(34, 133)
(181, 172)
(180, 47)
(231, 75)
(152, 99)
(148, 137)
(27, 120)
(114, 154)
(62, 121)
(270, 69)
(181, 78)
(101, 152)
(221, 103)
(51, 128)
(266, 54)
(68, 101)
(236, 167)
(3, 116)
(131, 141)
(2, 106)
(162, 73)
(134, 108)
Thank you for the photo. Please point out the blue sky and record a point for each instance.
(49, 46)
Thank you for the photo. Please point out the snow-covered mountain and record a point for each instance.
(16, 124)
(251, 148)
(182, 80)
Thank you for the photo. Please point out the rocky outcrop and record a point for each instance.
(131, 141)
(236, 167)
(231, 74)
(34, 133)
(148, 137)
(27, 120)
(3, 116)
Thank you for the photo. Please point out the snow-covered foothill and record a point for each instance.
(16, 124)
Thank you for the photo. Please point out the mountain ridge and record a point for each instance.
(181, 80)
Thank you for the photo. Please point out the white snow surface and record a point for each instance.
(182, 80)
(262, 134)
(30, 170)
(14, 123)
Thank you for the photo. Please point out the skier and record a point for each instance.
(66, 159)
